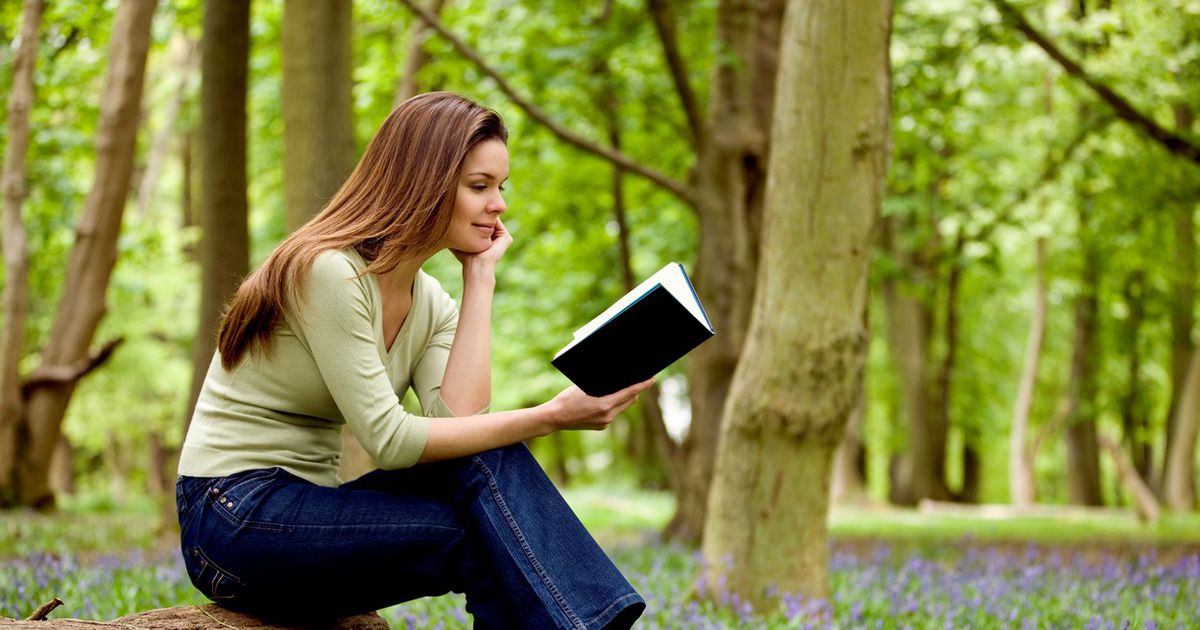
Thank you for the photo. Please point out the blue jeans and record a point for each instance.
(492, 525)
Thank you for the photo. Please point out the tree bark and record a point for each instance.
(318, 122)
(1021, 487)
(807, 344)
(1083, 455)
(910, 320)
(849, 485)
(16, 250)
(94, 253)
(1134, 421)
(184, 58)
(417, 57)
(730, 178)
(1183, 288)
(1179, 487)
(224, 240)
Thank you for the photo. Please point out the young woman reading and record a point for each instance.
(333, 329)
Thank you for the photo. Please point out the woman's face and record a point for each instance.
(478, 203)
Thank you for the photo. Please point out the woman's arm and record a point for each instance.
(571, 409)
(467, 382)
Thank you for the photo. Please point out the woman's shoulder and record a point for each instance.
(431, 292)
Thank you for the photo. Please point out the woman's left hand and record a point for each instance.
(501, 239)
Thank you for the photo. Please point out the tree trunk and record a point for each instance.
(224, 240)
(1179, 488)
(62, 468)
(1183, 288)
(908, 333)
(184, 59)
(730, 180)
(807, 344)
(95, 251)
(318, 122)
(417, 57)
(1134, 421)
(16, 250)
(1021, 487)
(1083, 452)
(849, 484)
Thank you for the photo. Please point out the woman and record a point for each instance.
(334, 327)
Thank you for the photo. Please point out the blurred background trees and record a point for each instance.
(1032, 285)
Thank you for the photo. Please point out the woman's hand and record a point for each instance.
(501, 239)
(573, 409)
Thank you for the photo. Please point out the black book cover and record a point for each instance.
(649, 335)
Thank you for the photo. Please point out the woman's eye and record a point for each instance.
(479, 187)
(502, 189)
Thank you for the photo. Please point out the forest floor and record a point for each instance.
(890, 568)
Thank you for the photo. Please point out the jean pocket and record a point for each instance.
(209, 578)
(236, 496)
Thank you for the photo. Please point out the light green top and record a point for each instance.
(327, 365)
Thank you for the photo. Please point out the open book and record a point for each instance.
(648, 329)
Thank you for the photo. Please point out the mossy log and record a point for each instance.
(207, 617)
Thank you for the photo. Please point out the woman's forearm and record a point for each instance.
(467, 382)
(460, 437)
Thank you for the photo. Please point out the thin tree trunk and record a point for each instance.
(318, 122)
(16, 250)
(945, 378)
(224, 242)
(1179, 486)
(184, 58)
(1183, 288)
(807, 345)
(1133, 409)
(1083, 454)
(1021, 487)
(417, 57)
(95, 253)
(1144, 500)
(849, 484)
(730, 179)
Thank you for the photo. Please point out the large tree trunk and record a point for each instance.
(224, 240)
(95, 251)
(318, 122)
(805, 352)
(1083, 451)
(730, 181)
(1021, 486)
(16, 250)
(1179, 487)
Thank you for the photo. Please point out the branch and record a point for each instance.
(1174, 143)
(50, 375)
(44, 610)
(616, 157)
(660, 10)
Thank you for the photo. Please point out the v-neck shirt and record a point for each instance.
(327, 364)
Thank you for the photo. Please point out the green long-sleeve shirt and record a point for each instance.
(327, 365)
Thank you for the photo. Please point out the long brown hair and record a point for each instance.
(396, 204)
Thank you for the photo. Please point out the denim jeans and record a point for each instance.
(492, 526)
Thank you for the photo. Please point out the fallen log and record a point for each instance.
(207, 617)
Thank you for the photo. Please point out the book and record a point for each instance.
(648, 329)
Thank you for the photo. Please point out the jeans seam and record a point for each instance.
(618, 601)
(529, 555)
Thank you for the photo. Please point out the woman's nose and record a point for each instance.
(498, 206)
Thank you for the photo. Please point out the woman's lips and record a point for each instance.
(488, 229)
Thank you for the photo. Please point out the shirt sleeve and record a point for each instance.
(431, 367)
(334, 319)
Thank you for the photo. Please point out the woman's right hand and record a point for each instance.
(573, 409)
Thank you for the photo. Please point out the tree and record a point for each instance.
(1179, 487)
(224, 241)
(16, 249)
(802, 367)
(65, 357)
(318, 122)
